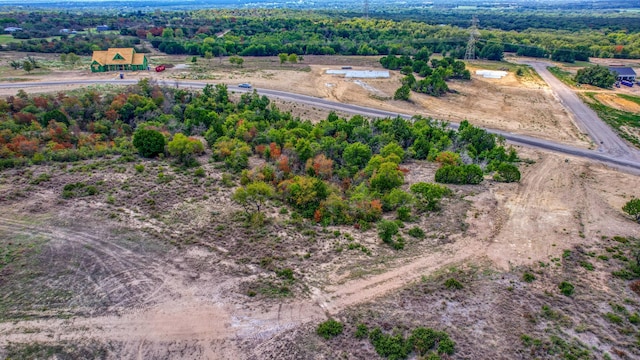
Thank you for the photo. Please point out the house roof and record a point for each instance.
(118, 56)
(623, 71)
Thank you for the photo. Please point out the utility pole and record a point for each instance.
(474, 35)
(366, 9)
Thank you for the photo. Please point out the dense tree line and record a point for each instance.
(338, 171)
(271, 32)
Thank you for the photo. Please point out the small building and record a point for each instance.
(118, 59)
(623, 73)
(12, 29)
(100, 28)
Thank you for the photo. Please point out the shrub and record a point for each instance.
(386, 230)
(428, 195)
(507, 173)
(463, 174)
(361, 331)
(149, 143)
(389, 346)
(285, 273)
(404, 213)
(184, 148)
(387, 177)
(566, 288)
(528, 277)
(416, 232)
(453, 284)
(199, 172)
(632, 207)
(329, 329)
(139, 168)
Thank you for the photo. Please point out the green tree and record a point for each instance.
(168, 33)
(392, 148)
(632, 207)
(149, 143)
(386, 230)
(507, 173)
(253, 196)
(72, 59)
(402, 93)
(428, 195)
(293, 58)
(492, 51)
(27, 66)
(463, 174)
(15, 64)
(237, 60)
(598, 75)
(185, 148)
(356, 155)
(283, 57)
(387, 177)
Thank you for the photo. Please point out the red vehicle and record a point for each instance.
(160, 68)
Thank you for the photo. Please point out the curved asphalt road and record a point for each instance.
(619, 156)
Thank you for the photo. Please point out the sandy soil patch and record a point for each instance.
(619, 103)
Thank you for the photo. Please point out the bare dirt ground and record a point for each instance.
(162, 269)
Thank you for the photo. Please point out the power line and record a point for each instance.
(474, 36)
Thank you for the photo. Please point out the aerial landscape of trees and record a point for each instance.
(264, 32)
(338, 171)
(293, 231)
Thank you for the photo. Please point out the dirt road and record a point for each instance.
(587, 120)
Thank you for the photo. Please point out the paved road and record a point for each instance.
(621, 157)
(606, 140)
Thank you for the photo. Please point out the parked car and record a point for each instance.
(245, 85)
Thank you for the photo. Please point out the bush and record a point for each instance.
(463, 174)
(404, 213)
(389, 346)
(453, 284)
(329, 329)
(149, 143)
(507, 173)
(361, 331)
(428, 195)
(632, 207)
(566, 288)
(528, 277)
(199, 172)
(386, 230)
(139, 168)
(416, 232)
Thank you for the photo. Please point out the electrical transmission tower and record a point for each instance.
(474, 35)
(366, 9)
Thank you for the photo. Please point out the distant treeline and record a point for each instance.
(270, 32)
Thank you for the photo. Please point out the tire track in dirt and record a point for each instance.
(187, 316)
